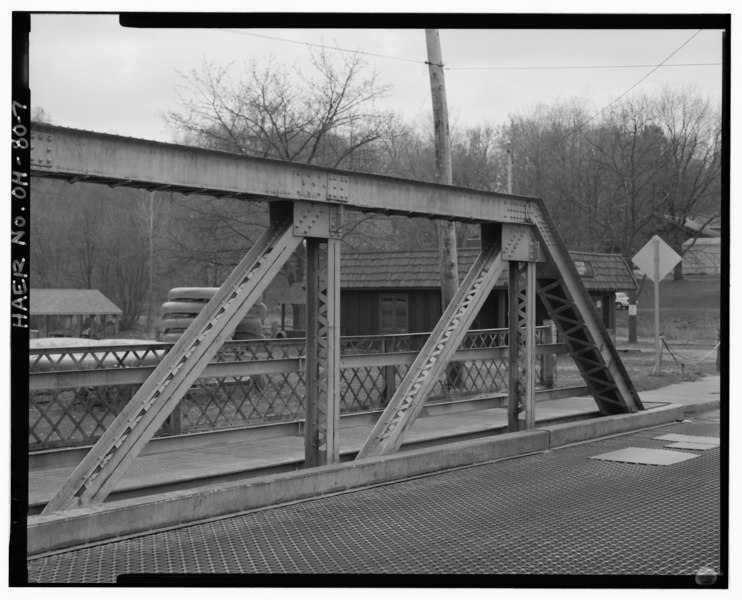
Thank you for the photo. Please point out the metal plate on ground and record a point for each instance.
(698, 439)
(692, 446)
(646, 456)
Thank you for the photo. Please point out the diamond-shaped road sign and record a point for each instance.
(668, 258)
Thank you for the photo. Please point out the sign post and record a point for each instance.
(656, 259)
(656, 264)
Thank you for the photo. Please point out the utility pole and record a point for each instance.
(446, 229)
(510, 171)
(150, 231)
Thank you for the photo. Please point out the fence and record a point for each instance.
(75, 393)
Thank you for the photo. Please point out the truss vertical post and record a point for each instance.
(529, 361)
(322, 373)
(521, 345)
(312, 424)
(108, 460)
(333, 351)
(513, 345)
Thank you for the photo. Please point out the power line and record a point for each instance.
(579, 67)
(312, 45)
(578, 128)
(612, 102)
(483, 68)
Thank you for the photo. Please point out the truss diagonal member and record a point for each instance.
(586, 354)
(408, 400)
(574, 313)
(109, 459)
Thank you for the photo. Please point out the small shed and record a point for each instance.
(702, 256)
(72, 313)
(399, 291)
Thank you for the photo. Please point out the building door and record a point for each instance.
(393, 313)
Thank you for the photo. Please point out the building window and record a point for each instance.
(584, 268)
(393, 313)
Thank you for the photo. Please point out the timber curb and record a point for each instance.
(74, 527)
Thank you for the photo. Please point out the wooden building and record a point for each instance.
(399, 291)
(72, 313)
(702, 256)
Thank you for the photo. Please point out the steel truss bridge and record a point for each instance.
(306, 206)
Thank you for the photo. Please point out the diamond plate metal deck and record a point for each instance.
(674, 437)
(646, 456)
(692, 446)
(552, 513)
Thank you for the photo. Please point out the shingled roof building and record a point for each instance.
(72, 313)
(399, 291)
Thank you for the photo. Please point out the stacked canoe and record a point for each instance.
(184, 304)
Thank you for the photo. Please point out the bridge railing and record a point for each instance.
(76, 392)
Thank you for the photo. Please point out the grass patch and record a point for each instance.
(640, 367)
(690, 311)
(690, 315)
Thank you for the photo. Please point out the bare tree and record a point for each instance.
(646, 166)
(692, 183)
(325, 117)
(629, 150)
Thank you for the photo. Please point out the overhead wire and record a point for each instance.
(578, 128)
(575, 129)
(673, 53)
(325, 46)
(480, 68)
(566, 67)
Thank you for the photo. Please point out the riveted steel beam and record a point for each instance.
(65, 153)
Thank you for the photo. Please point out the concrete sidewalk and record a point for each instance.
(229, 462)
(693, 396)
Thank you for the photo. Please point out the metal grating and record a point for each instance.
(552, 513)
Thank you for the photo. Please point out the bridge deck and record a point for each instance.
(554, 513)
(179, 469)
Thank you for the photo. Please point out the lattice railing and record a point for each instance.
(75, 393)
(86, 358)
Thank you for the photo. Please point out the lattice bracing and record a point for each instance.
(583, 349)
(574, 314)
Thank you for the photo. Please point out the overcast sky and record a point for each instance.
(86, 71)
